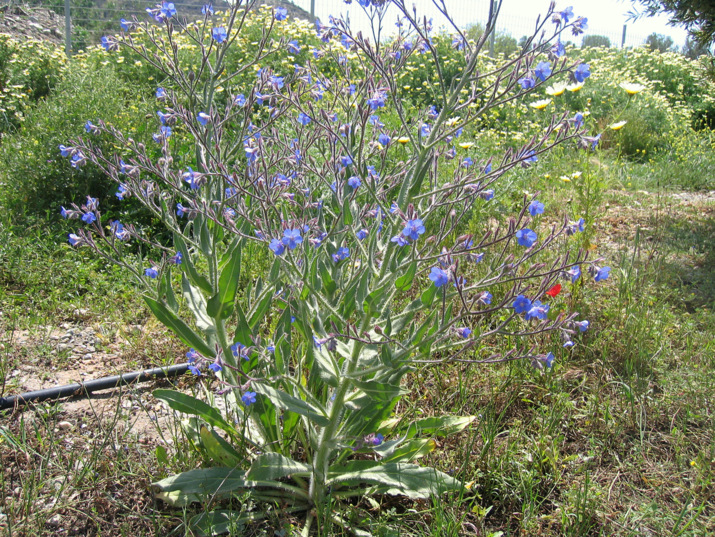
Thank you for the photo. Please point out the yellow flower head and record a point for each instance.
(466, 145)
(403, 139)
(574, 87)
(632, 89)
(556, 90)
(617, 126)
(540, 105)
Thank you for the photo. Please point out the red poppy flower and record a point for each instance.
(554, 291)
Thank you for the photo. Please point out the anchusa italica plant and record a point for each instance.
(360, 226)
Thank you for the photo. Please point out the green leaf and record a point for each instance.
(261, 306)
(169, 319)
(221, 521)
(379, 391)
(199, 485)
(221, 304)
(190, 405)
(401, 478)
(404, 282)
(272, 466)
(428, 296)
(167, 292)
(437, 425)
(196, 304)
(293, 404)
(347, 213)
(409, 451)
(188, 266)
(218, 449)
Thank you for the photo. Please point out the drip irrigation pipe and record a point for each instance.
(85, 388)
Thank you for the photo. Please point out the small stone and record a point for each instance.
(54, 521)
(64, 425)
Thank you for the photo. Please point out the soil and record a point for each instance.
(23, 22)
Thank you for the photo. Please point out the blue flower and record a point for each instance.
(125, 24)
(281, 13)
(578, 120)
(425, 130)
(91, 128)
(464, 332)
(400, 240)
(579, 25)
(292, 238)
(582, 325)
(567, 14)
(88, 218)
(249, 398)
(168, 10)
(486, 194)
(526, 237)
(203, 118)
(377, 100)
(413, 229)
(433, 113)
(238, 349)
(240, 100)
(521, 304)
(177, 258)
(394, 208)
(216, 365)
(346, 161)
(527, 82)
(536, 207)
(574, 273)
(160, 94)
(486, 297)
(342, 253)
(362, 234)
(543, 70)
(582, 72)
(303, 119)
(207, 9)
(537, 311)
(384, 140)
(293, 47)
(354, 182)
(277, 247)
(558, 49)
(119, 231)
(109, 43)
(151, 272)
(180, 211)
(568, 344)
(602, 274)
(73, 239)
(549, 360)
(439, 277)
(219, 34)
(192, 356)
(66, 151)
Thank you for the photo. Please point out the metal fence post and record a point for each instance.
(68, 30)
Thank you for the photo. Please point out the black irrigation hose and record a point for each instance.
(85, 388)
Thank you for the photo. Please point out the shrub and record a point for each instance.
(29, 69)
(35, 179)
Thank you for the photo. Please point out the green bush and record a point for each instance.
(29, 69)
(34, 179)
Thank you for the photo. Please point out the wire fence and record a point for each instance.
(90, 20)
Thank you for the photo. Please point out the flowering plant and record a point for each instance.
(359, 225)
